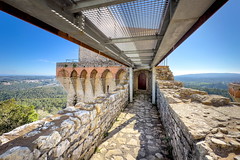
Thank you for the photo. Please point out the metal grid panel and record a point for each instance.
(135, 18)
(138, 45)
(147, 44)
(131, 19)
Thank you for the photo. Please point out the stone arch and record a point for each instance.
(83, 74)
(93, 79)
(93, 73)
(120, 76)
(83, 77)
(73, 77)
(107, 81)
(74, 74)
(148, 80)
(63, 73)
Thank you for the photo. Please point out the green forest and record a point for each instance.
(46, 95)
(212, 83)
(24, 99)
(210, 88)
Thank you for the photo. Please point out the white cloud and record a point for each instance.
(46, 61)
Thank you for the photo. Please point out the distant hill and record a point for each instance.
(209, 77)
(9, 78)
(213, 83)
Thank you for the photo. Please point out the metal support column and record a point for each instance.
(153, 85)
(130, 84)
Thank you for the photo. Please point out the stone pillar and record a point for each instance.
(153, 85)
(130, 84)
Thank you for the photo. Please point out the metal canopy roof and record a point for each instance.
(137, 33)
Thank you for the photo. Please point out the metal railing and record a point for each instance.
(72, 60)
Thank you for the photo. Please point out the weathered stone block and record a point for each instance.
(77, 122)
(87, 142)
(17, 153)
(187, 92)
(84, 116)
(67, 127)
(49, 141)
(77, 152)
(61, 148)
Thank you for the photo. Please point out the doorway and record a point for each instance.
(142, 79)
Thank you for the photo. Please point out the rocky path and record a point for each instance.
(136, 134)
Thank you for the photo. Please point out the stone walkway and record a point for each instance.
(136, 134)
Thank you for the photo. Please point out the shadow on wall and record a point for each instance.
(84, 84)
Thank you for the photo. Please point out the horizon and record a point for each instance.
(213, 48)
(173, 74)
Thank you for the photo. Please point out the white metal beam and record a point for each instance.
(133, 39)
(143, 58)
(91, 4)
(139, 51)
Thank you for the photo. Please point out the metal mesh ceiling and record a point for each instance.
(131, 19)
(137, 18)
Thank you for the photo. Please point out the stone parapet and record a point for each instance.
(199, 126)
(74, 133)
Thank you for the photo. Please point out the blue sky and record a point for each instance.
(213, 48)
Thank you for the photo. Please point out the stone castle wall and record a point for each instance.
(164, 73)
(89, 58)
(84, 84)
(72, 134)
(199, 126)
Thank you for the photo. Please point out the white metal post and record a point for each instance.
(131, 84)
(153, 85)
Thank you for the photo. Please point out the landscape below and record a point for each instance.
(198, 125)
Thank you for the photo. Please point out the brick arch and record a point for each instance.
(107, 79)
(105, 73)
(119, 72)
(83, 74)
(63, 73)
(93, 73)
(119, 76)
(74, 74)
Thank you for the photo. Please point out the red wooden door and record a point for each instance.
(142, 81)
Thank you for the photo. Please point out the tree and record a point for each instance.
(13, 115)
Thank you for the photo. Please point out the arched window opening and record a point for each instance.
(120, 76)
(93, 76)
(107, 79)
(83, 77)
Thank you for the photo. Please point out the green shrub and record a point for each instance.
(13, 115)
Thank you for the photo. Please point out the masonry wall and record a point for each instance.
(199, 126)
(84, 84)
(72, 134)
(183, 146)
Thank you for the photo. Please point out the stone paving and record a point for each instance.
(136, 134)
